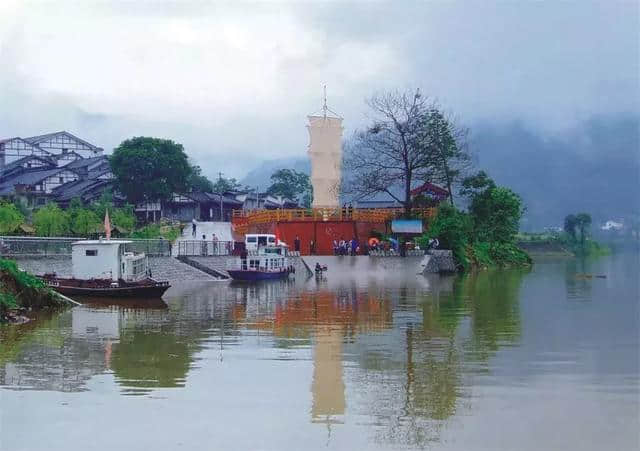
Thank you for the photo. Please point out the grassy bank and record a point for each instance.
(473, 246)
(561, 244)
(20, 290)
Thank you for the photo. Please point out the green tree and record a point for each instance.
(453, 229)
(50, 220)
(583, 222)
(496, 211)
(199, 182)
(102, 204)
(291, 184)
(224, 185)
(409, 142)
(149, 169)
(446, 147)
(570, 223)
(10, 218)
(123, 218)
(85, 222)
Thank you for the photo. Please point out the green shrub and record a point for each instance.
(50, 220)
(10, 218)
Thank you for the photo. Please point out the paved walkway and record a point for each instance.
(206, 228)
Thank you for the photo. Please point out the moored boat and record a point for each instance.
(105, 268)
(268, 262)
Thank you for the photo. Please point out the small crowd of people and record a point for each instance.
(344, 247)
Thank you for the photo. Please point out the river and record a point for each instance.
(371, 357)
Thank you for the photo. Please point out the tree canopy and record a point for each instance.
(224, 185)
(293, 185)
(149, 169)
(10, 218)
(410, 141)
(199, 182)
(50, 220)
(496, 210)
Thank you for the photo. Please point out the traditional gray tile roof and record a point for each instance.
(47, 136)
(78, 188)
(27, 178)
(84, 162)
(19, 162)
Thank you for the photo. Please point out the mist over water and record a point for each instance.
(372, 356)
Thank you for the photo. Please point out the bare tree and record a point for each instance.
(410, 142)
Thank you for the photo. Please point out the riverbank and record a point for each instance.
(21, 292)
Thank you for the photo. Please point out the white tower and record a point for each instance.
(325, 152)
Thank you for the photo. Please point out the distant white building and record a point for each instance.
(613, 226)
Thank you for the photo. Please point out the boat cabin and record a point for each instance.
(267, 259)
(107, 259)
(253, 241)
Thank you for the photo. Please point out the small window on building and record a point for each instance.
(65, 150)
(91, 252)
(60, 179)
(29, 165)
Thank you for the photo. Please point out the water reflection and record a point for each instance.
(379, 350)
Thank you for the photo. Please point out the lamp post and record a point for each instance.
(220, 193)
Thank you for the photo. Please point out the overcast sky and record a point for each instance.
(234, 82)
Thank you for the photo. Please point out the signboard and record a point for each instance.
(406, 226)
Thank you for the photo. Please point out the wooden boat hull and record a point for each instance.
(257, 275)
(72, 287)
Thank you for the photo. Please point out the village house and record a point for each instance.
(53, 167)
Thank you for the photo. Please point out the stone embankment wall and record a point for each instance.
(438, 261)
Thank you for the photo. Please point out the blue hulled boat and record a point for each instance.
(267, 263)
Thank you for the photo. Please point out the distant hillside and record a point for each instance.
(261, 176)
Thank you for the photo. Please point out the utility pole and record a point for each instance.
(220, 193)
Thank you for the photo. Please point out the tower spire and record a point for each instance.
(324, 106)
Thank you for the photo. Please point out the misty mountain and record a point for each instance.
(261, 176)
(593, 167)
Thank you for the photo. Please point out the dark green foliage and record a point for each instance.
(291, 184)
(409, 142)
(21, 289)
(50, 220)
(10, 218)
(486, 236)
(224, 185)
(584, 246)
(153, 231)
(148, 169)
(570, 222)
(453, 229)
(199, 182)
(583, 222)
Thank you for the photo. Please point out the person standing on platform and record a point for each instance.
(193, 227)
(354, 246)
(296, 244)
(214, 238)
(312, 248)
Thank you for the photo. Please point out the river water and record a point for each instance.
(371, 357)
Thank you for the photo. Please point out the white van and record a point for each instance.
(253, 240)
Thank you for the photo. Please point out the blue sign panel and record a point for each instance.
(406, 226)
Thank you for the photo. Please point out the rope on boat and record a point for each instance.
(67, 299)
